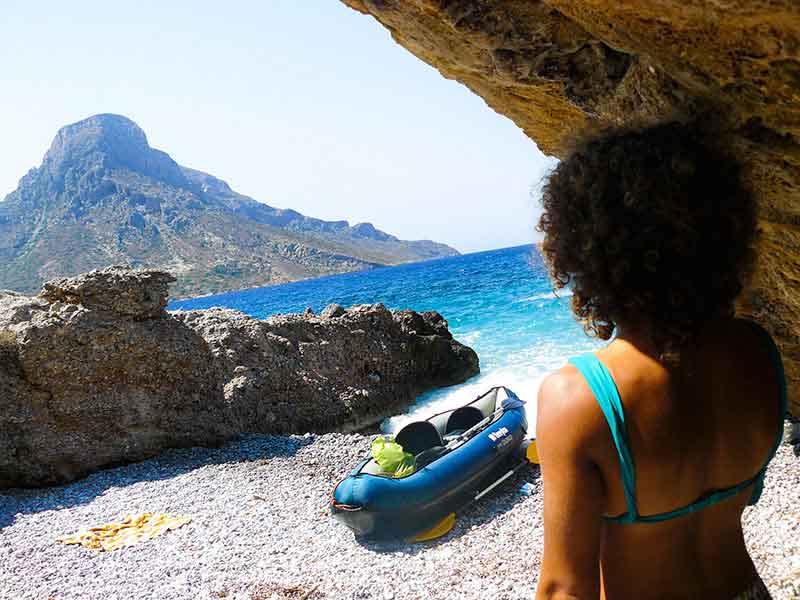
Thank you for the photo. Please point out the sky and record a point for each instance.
(305, 105)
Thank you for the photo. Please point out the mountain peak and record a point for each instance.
(108, 131)
(368, 230)
(103, 196)
(112, 141)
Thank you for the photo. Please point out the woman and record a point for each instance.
(652, 447)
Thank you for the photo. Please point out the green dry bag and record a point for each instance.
(391, 457)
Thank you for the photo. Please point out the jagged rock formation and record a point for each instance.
(346, 371)
(113, 290)
(558, 68)
(103, 196)
(86, 386)
(94, 372)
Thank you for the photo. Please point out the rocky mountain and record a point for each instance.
(103, 196)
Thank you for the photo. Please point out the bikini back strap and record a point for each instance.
(783, 405)
(605, 392)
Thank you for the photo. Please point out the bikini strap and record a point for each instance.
(605, 392)
(607, 396)
(783, 405)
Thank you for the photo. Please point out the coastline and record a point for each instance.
(172, 306)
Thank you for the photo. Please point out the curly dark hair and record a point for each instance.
(654, 224)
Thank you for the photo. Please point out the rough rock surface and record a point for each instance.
(113, 380)
(113, 289)
(560, 67)
(94, 372)
(294, 373)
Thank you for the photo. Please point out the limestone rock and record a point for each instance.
(560, 68)
(88, 385)
(129, 293)
(332, 311)
(94, 372)
(295, 373)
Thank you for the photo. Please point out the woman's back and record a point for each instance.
(708, 426)
(650, 449)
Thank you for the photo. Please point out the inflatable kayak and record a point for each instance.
(459, 455)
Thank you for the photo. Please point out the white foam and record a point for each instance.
(548, 296)
(525, 385)
(522, 370)
(468, 338)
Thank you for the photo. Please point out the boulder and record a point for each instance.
(82, 387)
(296, 373)
(332, 311)
(94, 372)
(139, 294)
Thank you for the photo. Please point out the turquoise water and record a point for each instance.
(498, 302)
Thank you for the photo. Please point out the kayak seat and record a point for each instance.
(418, 436)
(426, 457)
(462, 419)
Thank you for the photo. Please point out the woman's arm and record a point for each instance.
(574, 493)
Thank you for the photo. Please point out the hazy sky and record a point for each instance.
(300, 104)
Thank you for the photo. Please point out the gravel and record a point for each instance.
(260, 530)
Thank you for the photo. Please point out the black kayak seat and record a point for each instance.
(418, 436)
(426, 457)
(462, 419)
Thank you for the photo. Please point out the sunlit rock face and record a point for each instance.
(94, 372)
(558, 68)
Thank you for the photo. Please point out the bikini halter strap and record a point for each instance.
(607, 396)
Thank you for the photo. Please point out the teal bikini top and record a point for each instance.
(607, 395)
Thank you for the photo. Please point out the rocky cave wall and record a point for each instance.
(558, 68)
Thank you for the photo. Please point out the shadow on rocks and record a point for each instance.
(172, 463)
(476, 514)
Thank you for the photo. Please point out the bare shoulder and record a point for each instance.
(567, 412)
(743, 344)
(744, 382)
(725, 332)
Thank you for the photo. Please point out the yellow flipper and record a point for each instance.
(443, 527)
(532, 453)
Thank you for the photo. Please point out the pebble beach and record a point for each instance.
(260, 529)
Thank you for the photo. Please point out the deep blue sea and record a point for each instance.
(499, 302)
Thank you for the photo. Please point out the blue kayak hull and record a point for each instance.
(380, 506)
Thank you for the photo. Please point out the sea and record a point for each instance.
(499, 302)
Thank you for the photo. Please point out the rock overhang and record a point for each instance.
(560, 68)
